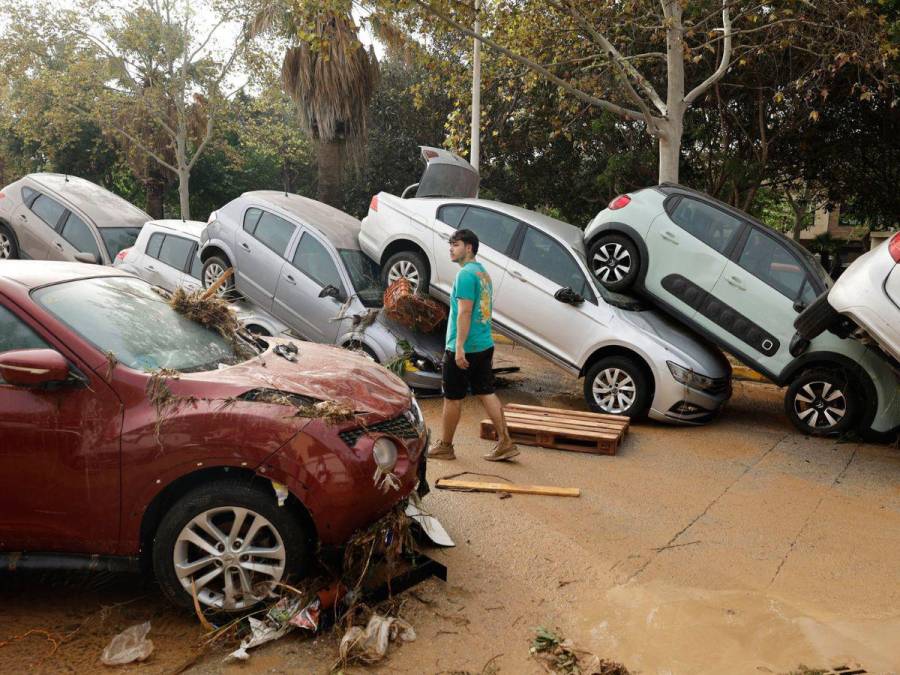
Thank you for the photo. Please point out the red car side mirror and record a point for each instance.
(33, 367)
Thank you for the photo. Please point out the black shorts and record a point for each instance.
(478, 377)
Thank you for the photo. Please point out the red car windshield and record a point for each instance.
(126, 317)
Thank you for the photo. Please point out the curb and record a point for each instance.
(747, 374)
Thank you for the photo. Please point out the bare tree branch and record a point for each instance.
(723, 64)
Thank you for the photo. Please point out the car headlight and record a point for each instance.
(689, 378)
(385, 453)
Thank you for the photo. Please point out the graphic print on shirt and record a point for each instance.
(484, 303)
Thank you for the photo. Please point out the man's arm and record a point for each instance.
(463, 325)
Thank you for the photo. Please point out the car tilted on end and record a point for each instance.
(52, 216)
(634, 360)
(132, 434)
(741, 284)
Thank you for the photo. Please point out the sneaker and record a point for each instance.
(441, 450)
(502, 452)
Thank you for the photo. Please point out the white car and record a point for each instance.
(867, 295)
(634, 361)
(165, 254)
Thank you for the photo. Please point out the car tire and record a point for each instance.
(817, 318)
(617, 385)
(411, 265)
(213, 268)
(198, 532)
(822, 402)
(9, 250)
(614, 261)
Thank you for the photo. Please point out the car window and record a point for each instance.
(155, 243)
(15, 334)
(807, 293)
(314, 260)
(451, 214)
(174, 251)
(47, 210)
(274, 232)
(710, 225)
(118, 238)
(770, 261)
(547, 257)
(28, 195)
(77, 233)
(251, 218)
(493, 229)
(196, 265)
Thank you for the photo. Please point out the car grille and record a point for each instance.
(399, 427)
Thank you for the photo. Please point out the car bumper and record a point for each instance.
(684, 405)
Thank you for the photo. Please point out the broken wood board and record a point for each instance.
(554, 428)
(512, 488)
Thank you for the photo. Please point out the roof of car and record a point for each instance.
(103, 207)
(190, 228)
(34, 273)
(571, 235)
(340, 228)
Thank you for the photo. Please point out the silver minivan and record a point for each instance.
(300, 260)
(53, 216)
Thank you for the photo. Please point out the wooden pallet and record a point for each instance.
(572, 430)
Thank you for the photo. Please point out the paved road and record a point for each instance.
(739, 547)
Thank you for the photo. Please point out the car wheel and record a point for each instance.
(617, 385)
(817, 318)
(822, 401)
(409, 265)
(614, 261)
(231, 542)
(8, 248)
(213, 268)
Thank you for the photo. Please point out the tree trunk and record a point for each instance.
(673, 127)
(155, 191)
(184, 194)
(330, 155)
(670, 153)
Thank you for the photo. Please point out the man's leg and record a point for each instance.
(494, 409)
(450, 419)
(481, 366)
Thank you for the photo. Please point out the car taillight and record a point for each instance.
(120, 256)
(2, 196)
(619, 202)
(212, 217)
(373, 205)
(894, 247)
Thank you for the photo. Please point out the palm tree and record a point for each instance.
(331, 77)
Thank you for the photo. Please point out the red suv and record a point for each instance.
(130, 433)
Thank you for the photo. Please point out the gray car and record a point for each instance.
(300, 260)
(52, 216)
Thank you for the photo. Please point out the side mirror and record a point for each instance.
(332, 292)
(410, 188)
(89, 258)
(568, 296)
(33, 367)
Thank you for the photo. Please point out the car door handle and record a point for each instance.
(736, 282)
(670, 237)
(59, 246)
(245, 247)
(445, 237)
(290, 279)
(516, 275)
(23, 216)
(151, 267)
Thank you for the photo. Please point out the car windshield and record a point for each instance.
(365, 275)
(125, 317)
(117, 238)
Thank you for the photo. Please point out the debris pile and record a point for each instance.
(418, 312)
(370, 644)
(212, 312)
(560, 656)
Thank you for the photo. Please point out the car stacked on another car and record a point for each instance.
(51, 216)
(98, 472)
(633, 362)
(741, 284)
(299, 260)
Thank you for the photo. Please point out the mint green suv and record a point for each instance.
(739, 283)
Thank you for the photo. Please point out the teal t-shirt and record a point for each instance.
(472, 283)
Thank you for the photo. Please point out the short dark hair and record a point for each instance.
(466, 237)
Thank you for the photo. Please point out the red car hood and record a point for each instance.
(319, 371)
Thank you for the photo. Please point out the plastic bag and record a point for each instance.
(129, 645)
(371, 644)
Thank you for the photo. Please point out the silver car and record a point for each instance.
(52, 216)
(634, 361)
(165, 254)
(300, 260)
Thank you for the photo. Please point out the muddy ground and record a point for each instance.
(739, 547)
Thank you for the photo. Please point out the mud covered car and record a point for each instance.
(133, 434)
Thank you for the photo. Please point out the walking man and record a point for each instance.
(469, 355)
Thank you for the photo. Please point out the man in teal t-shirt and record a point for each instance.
(468, 361)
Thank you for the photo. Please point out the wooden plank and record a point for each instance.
(596, 446)
(559, 430)
(531, 418)
(512, 488)
(573, 413)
